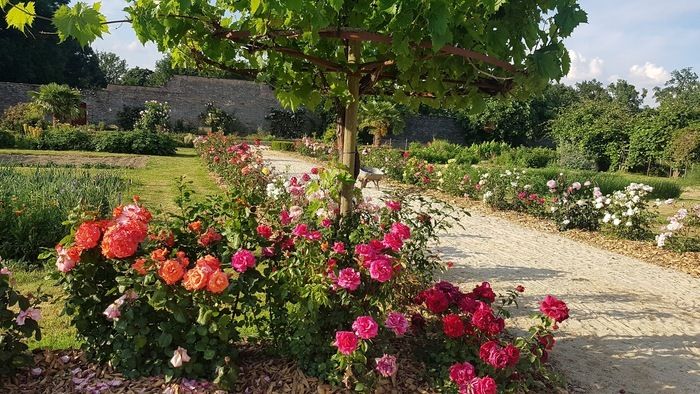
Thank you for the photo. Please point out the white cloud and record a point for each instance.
(582, 68)
(649, 72)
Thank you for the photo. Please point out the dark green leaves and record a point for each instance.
(568, 18)
(438, 24)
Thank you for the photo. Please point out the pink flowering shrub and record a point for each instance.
(19, 321)
(682, 231)
(576, 205)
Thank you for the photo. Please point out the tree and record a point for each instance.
(683, 82)
(59, 101)
(38, 58)
(137, 76)
(442, 52)
(112, 66)
(592, 90)
(626, 94)
(600, 130)
(501, 120)
(381, 118)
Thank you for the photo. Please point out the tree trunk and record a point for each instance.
(377, 140)
(350, 130)
(339, 129)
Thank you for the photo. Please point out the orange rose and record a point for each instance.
(210, 262)
(324, 246)
(139, 266)
(218, 282)
(181, 257)
(171, 271)
(195, 279)
(195, 227)
(159, 254)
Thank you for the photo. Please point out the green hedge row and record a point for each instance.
(139, 142)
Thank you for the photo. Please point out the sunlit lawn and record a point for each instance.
(155, 184)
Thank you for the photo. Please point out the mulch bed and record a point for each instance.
(68, 371)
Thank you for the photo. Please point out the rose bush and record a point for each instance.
(576, 205)
(682, 233)
(627, 212)
(19, 321)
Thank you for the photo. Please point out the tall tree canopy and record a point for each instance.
(433, 51)
(112, 66)
(31, 57)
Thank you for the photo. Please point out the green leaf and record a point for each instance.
(568, 18)
(254, 5)
(336, 4)
(3, 3)
(20, 15)
(164, 340)
(438, 24)
(82, 22)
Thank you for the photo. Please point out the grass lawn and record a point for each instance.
(155, 184)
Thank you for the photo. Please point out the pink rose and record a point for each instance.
(462, 373)
(112, 312)
(242, 260)
(386, 365)
(29, 313)
(397, 323)
(365, 327)
(65, 261)
(5, 271)
(339, 247)
(180, 356)
(326, 223)
(513, 354)
(300, 230)
(394, 205)
(401, 230)
(285, 219)
(380, 269)
(346, 342)
(392, 241)
(485, 385)
(554, 308)
(348, 279)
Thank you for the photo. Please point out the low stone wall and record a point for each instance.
(249, 101)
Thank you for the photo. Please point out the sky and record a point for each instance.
(641, 41)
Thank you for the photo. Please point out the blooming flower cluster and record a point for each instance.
(626, 212)
(682, 232)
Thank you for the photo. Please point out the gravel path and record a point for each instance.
(634, 327)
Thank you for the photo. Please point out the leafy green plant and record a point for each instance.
(7, 139)
(17, 116)
(154, 118)
(291, 124)
(59, 101)
(282, 145)
(220, 121)
(380, 119)
(19, 321)
(64, 137)
(128, 116)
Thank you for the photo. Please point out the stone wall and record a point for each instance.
(250, 102)
(187, 96)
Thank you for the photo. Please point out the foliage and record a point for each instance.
(380, 118)
(219, 120)
(17, 116)
(19, 321)
(36, 58)
(501, 121)
(511, 190)
(598, 129)
(684, 148)
(138, 142)
(65, 137)
(113, 67)
(390, 161)
(282, 145)
(137, 76)
(649, 139)
(458, 180)
(290, 124)
(7, 139)
(527, 157)
(419, 172)
(440, 152)
(154, 118)
(34, 204)
(682, 233)
(128, 116)
(59, 101)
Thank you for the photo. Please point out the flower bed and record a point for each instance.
(272, 261)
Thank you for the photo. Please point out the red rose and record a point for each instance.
(519, 288)
(453, 326)
(484, 293)
(436, 301)
(554, 308)
(547, 341)
(513, 354)
(462, 373)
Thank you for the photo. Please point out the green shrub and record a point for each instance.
(155, 117)
(128, 116)
(570, 156)
(7, 139)
(17, 116)
(150, 143)
(291, 124)
(527, 157)
(65, 137)
(458, 180)
(220, 121)
(33, 205)
(282, 146)
(114, 142)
